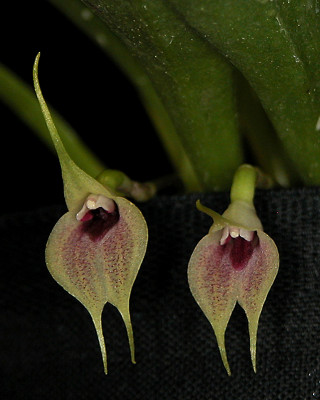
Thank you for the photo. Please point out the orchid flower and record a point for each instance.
(95, 250)
(235, 262)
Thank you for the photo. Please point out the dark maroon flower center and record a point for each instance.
(96, 223)
(240, 250)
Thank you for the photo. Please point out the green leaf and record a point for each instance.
(98, 31)
(276, 46)
(194, 83)
(266, 148)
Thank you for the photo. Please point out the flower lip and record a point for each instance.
(238, 244)
(98, 215)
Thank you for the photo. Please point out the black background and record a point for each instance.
(49, 349)
(86, 88)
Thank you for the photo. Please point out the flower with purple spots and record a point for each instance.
(235, 262)
(95, 250)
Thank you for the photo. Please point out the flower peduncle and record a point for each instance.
(244, 184)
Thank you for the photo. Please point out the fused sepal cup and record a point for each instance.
(95, 250)
(235, 262)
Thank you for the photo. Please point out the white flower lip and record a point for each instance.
(93, 202)
(235, 232)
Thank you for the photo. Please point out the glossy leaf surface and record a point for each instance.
(276, 46)
(187, 50)
(194, 82)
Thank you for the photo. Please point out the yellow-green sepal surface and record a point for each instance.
(235, 262)
(95, 250)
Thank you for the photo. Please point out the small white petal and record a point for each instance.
(247, 235)
(106, 203)
(82, 212)
(224, 236)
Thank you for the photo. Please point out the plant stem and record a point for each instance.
(139, 191)
(245, 180)
(263, 141)
(244, 184)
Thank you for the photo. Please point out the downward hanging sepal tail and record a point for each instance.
(236, 262)
(95, 250)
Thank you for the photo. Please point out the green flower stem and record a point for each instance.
(21, 99)
(139, 191)
(245, 180)
(97, 30)
(114, 179)
(244, 184)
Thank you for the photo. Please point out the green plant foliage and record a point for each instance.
(193, 81)
(275, 44)
(99, 32)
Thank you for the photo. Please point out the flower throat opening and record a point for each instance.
(98, 215)
(239, 244)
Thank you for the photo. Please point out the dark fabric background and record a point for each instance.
(49, 349)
